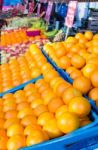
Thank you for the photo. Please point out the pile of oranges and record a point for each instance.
(79, 57)
(16, 37)
(40, 112)
(44, 110)
(18, 71)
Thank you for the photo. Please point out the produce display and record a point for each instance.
(78, 56)
(18, 22)
(18, 71)
(40, 24)
(13, 47)
(17, 37)
(50, 108)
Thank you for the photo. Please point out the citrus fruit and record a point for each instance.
(54, 104)
(78, 61)
(80, 106)
(68, 122)
(69, 94)
(44, 117)
(82, 84)
(15, 142)
(52, 129)
(94, 78)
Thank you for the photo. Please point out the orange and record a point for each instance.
(88, 69)
(1, 114)
(9, 106)
(10, 121)
(31, 140)
(79, 106)
(95, 36)
(24, 112)
(62, 109)
(2, 133)
(15, 142)
(20, 96)
(70, 54)
(75, 48)
(62, 82)
(78, 61)
(94, 78)
(88, 35)
(82, 84)
(70, 93)
(22, 105)
(79, 35)
(93, 60)
(41, 62)
(61, 88)
(54, 104)
(33, 97)
(28, 120)
(70, 69)
(30, 128)
(31, 91)
(60, 50)
(54, 81)
(83, 40)
(46, 66)
(82, 52)
(47, 95)
(36, 103)
(39, 83)
(75, 74)
(95, 49)
(43, 87)
(40, 109)
(11, 114)
(93, 94)
(52, 129)
(71, 39)
(68, 122)
(3, 142)
(29, 86)
(35, 73)
(44, 117)
(68, 45)
(1, 101)
(1, 108)
(15, 129)
(65, 62)
(2, 123)
(8, 96)
(49, 76)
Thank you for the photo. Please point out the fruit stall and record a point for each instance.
(48, 76)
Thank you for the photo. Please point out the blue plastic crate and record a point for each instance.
(69, 141)
(81, 139)
(66, 77)
(20, 86)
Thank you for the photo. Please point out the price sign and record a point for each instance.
(38, 9)
(70, 13)
(48, 11)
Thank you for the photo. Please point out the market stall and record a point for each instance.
(48, 75)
